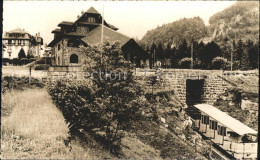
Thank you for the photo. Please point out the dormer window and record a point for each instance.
(91, 20)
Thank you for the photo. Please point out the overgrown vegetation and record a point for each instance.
(19, 83)
(241, 88)
(105, 104)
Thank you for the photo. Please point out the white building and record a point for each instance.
(17, 39)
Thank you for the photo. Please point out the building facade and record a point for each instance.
(18, 39)
(86, 31)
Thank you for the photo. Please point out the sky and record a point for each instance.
(133, 18)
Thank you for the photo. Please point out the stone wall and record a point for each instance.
(176, 79)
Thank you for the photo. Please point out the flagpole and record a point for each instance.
(102, 31)
(102, 27)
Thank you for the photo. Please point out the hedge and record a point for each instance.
(42, 67)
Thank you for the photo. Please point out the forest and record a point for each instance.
(242, 55)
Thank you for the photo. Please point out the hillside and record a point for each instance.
(176, 32)
(239, 21)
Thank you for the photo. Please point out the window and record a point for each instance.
(74, 58)
(213, 125)
(9, 42)
(58, 47)
(221, 130)
(91, 20)
(204, 119)
(82, 29)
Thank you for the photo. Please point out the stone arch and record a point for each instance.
(74, 58)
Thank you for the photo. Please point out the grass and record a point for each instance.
(21, 71)
(33, 128)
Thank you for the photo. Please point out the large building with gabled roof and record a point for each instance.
(86, 31)
(18, 39)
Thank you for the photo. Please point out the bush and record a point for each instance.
(31, 60)
(5, 60)
(24, 61)
(42, 67)
(44, 60)
(15, 61)
(219, 63)
(185, 63)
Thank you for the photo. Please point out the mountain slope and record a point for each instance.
(176, 32)
(239, 21)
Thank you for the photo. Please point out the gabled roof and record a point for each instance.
(17, 30)
(92, 10)
(94, 36)
(225, 119)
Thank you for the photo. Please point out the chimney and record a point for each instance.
(38, 34)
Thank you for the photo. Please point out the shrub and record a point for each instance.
(219, 63)
(24, 61)
(15, 61)
(5, 60)
(42, 67)
(185, 63)
(44, 60)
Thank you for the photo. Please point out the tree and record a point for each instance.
(207, 53)
(21, 54)
(253, 55)
(29, 54)
(244, 60)
(159, 52)
(109, 99)
(239, 51)
(153, 54)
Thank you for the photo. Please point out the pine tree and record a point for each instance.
(153, 54)
(239, 52)
(253, 56)
(244, 60)
(21, 54)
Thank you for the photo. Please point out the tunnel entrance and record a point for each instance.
(194, 91)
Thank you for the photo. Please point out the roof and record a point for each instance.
(94, 36)
(56, 30)
(113, 27)
(225, 119)
(54, 41)
(66, 23)
(17, 30)
(92, 10)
